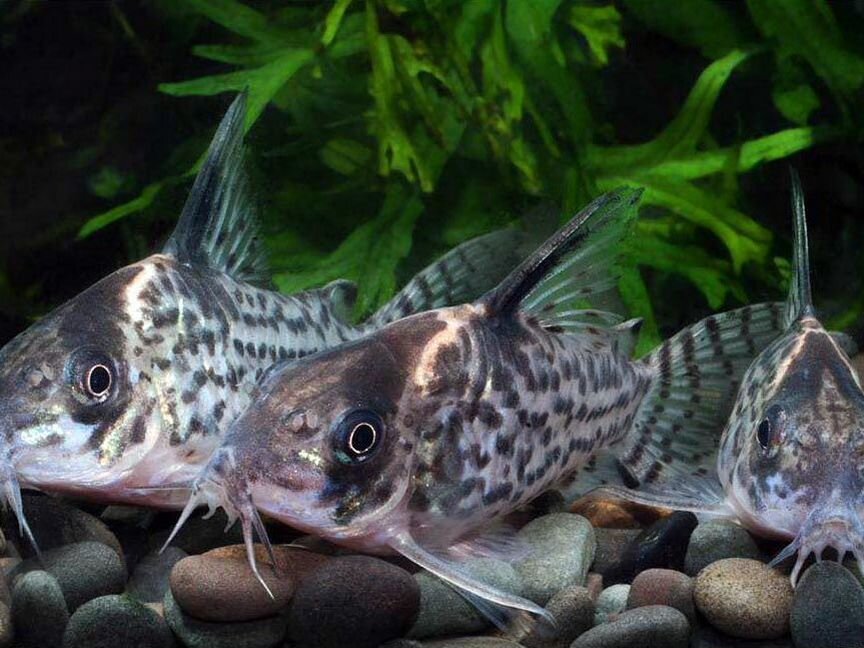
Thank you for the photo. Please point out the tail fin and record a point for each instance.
(800, 301)
(460, 276)
(697, 372)
(577, 262)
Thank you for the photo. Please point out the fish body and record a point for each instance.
(789, 464)
(421, 436)
(127, 388)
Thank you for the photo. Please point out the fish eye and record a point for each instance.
(768, 432)
(98, 380)
(358, 436)
(92, 374)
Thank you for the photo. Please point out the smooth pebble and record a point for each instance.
(85, 570)
(645, 627)
(744, 598)
(110, 621)
(263, 633)
(562, 547)
(717, 539)
(663, 587)
(611, 602)
(573, 609)
(443, 611)
(149, 580)
(828, 608)
(356, 601)
(39, 612)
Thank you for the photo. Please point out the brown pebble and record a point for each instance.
(744, 598)
(220, 586)
(594, 584)
(663, 587)
(616, 514)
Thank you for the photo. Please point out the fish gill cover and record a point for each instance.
(388, 131)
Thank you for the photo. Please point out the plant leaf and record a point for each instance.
(601, 27)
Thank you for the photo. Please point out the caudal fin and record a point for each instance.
(671, 454)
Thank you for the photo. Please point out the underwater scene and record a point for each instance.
(431, 323)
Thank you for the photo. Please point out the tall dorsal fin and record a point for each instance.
(219, 224)
(800, 301)
(574, 264)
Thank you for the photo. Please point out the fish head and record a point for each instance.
(320, 447)
(77, 405)
(792, 457)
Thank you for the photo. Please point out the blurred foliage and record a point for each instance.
(390, 130)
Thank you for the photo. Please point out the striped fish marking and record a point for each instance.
(129, 387)
(419, 436)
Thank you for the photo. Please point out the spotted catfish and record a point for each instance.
(419, 437)
(132, 383)
(789, 464)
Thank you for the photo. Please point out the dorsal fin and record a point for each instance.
(219, 224)
(577, 262)
(800, 301)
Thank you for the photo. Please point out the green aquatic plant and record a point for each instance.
(400, 128)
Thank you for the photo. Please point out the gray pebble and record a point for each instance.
(717, 539)
(110, 621)
(828, 608)
(85, 570)
(473, 642)
(6, 629)
(149, 581)
(646, 627)
(612, 601)
(573, 609)
(39, 611)
(611, 545)
(562, 549)
(55, 523)
(199, 535)
(262, 633)
(444, 612)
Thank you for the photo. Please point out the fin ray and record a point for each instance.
(800, 300)
(219, 224)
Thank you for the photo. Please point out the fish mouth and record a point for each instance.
(825, 529)
(219, 487)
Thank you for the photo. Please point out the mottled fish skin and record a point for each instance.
(123, 393)
(422, 434)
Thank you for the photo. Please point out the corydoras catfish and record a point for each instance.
(419, 437)
(132, 383)
(789, 463)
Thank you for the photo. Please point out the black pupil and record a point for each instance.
(362, 438)
(99, 380)
(763, 434)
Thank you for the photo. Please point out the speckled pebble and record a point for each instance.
(199, 535)
(56, 523)
(663, 587)
(263, 633)
(562, 549)
(573, 609)
(828, 608)
(744, 598)
(225, 589)
(111, 621)
(644, 627)
(473, 642)
(611, 545)
(717, 539)
(611, 602)
(443, 611)
(6, 629)
(85, 570)
(149, 581)
(39, 612)
(356, 601)
(662, 545)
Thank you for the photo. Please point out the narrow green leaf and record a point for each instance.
(238, 18)
(601, 27)
(334, 21)
(635, 296)
(135, 205)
